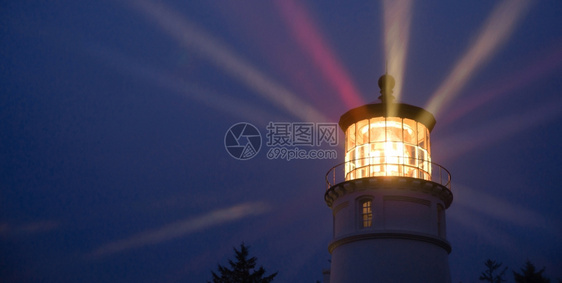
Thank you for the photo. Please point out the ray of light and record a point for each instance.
(397, 17)
(195, 38)
(480, 212)
(523, 77)
(500, 129)
(489, 233)
(224, 103)
(495, 31)
(498, 208)
(181, 228)
(310, 39)
(270, 36)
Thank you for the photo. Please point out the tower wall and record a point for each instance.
(389, 260)
(404, 240)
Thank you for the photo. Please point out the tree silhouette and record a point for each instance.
(530, 275)
(242, 270)
(489, 276)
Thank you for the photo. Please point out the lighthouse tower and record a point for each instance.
(388, 198)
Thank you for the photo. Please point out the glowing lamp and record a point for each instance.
(387, 139)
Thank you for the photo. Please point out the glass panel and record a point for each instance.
(410, 157)
(362, 132)
(349, 166)
(424, 164)
(376, 158)
(362, 173)
(350, 138)
(422, 142)
(393, 129)
(410, 131)
(377, 129)
(350, 176)
(428, 143)
(421, 155)
(361, 154)
(394, 156)
(410, 171)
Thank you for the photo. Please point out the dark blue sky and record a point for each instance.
(113, 117)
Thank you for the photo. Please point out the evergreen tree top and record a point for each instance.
(242, 270)
(530, 275)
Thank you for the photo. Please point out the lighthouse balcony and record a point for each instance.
(365, 174)
(397, 166)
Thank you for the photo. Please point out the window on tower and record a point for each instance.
(366, 212)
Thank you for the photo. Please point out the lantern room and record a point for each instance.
(387, 139)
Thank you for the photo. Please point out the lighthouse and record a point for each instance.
(388, 199)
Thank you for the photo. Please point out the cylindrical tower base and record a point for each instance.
(389, 230)
(389, 260)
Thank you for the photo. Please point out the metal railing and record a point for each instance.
(420, 169)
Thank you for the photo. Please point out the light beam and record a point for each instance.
(181, 228)
(495, 131)
(497, 29)
(498, 208)
(521, 78)
(225, 103)
(195, 38)
(397, 17)
(310, 39)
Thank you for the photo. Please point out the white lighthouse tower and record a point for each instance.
(388, 198)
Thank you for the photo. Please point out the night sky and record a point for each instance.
(114, 115)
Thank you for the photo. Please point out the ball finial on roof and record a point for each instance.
(386, 83)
